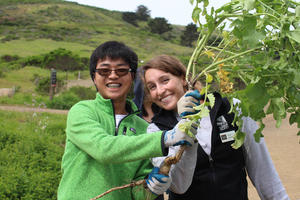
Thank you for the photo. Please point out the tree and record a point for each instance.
(159, 25)
(189, 35)
(130, 17)
(142, 13)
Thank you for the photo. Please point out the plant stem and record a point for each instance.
(224, 60)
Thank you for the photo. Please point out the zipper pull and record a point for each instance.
(211, 160)
(124, 130)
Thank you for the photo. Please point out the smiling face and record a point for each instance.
(113, 86)
(165, 88)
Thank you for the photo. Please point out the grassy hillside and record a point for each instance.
(35, 28)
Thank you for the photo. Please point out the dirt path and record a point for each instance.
(82, 82)
(283, 145)
(29, 109)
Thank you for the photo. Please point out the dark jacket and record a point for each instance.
(222, 175)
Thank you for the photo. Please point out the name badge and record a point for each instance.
(227, 136)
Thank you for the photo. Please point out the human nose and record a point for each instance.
(160, 90)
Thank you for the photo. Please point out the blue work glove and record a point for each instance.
(176, 137)
(186, 104)
(158, 183)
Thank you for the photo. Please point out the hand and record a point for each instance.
(176, 137)
(187, 102)
(158, 183)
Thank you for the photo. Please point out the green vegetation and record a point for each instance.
(36, 35)
(262, 51)
(33, 29)
(31, 148)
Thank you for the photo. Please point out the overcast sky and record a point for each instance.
(175, 11)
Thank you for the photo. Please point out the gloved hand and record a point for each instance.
(186, 103)
(176, 137)
(158, 183)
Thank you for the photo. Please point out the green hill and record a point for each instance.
(34, 27)
(31, 29)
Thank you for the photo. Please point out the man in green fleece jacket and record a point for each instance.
(106, 144)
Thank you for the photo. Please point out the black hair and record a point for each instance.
(113, 50)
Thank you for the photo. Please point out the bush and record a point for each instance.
(33, 60)
(64, 101)
(9, 58)
(30, 156)
(130, 17)
(68, 98)
(142, 13)
(189, 35)
(43, 84)
(83, 93)
(62, 59)
(159, 25)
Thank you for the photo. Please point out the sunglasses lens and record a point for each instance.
(121, 72)
(107, 72)
(104, 72)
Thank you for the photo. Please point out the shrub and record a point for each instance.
(30, 156)
(130, 17)
(189, 35)
(83, 93)
(64, 101)
(68, 98)
(62, 59)
(142, 13)
(43, 84)
(159, 25)
(9, 58)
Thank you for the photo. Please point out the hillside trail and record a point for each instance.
(283, 145)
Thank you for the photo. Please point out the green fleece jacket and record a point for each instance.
(99, 157)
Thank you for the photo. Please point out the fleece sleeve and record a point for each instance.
(260, 167)
(95, 137)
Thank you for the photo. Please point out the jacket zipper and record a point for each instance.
(117, 127)
(213, 178)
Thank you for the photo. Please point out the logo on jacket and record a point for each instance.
(222, 123)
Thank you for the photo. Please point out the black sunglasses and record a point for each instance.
(120, 72)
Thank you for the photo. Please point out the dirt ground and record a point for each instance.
(283, 145)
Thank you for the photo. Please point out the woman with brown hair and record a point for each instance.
(215, 170)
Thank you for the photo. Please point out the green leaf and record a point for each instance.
(209, 78)
(186, 127)
(203, 90)
(239, 139)
(192, 2)
(277, 108)
(204, 112)
(295, 118)
(211, 99)
(257, 135)
(206, 2)
(257, 99)
(296, 73)
(295, 35)
(249, 4)
(239, 136)
(195, 14)
(298, 11)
